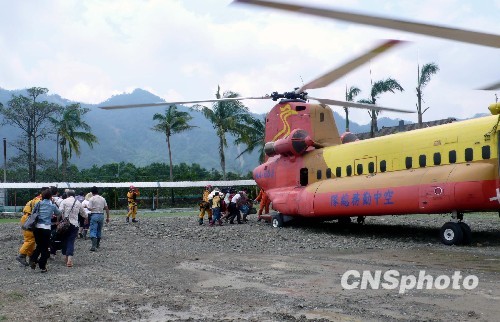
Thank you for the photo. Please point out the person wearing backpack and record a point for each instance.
(42, 231)
(28, 238)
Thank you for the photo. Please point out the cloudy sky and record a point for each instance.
(87, 51)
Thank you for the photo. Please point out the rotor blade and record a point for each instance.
(359, 105)
(491, 87)
(332, 76)
(113, 107)
(472, 37)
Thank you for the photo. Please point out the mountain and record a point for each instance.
(126, 135)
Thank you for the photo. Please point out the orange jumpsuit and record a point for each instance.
(29, 239)
(264, 202)
(205, 207)
(132, 203)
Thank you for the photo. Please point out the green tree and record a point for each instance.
(31, 116)
(70, 129)
(349, 97)
(172, 122)
(424, 77)
(253, 136)
(379, 87)
(226, 117)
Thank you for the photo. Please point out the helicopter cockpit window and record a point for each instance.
(437, 158)
(349, 170)
(422, 160)
(328, 173)
(485, 151)
(469, 154)
(408, 162)
(359, 169)
(452, 155)
(300, 108)
(318, 174)
(338, 172)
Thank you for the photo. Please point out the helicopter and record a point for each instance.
(312, 172)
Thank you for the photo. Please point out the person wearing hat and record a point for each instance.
(205, 205)
(132, 195)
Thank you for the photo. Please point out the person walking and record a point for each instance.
(216, 206)
(205, 205)
(71, 209)
(29, 244)
(132, 195)
(264, 203)
(45, 210)
(97, 205)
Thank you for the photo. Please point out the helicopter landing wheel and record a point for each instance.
(277, 220)
(451, 233)
(361, 220)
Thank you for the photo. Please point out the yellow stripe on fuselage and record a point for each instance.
(395, 149)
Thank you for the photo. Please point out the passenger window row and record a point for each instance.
(422, 162)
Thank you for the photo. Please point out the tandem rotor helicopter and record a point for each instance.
(314, 173)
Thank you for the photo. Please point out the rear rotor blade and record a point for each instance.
(472, 37)
(359, 105)
(113, 107)
(491, 87)
(332, 76)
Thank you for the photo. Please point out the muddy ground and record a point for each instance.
(170, 268)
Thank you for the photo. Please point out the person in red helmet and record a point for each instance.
(132, 195)
(205, 205)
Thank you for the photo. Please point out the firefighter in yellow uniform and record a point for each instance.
(132, 195)
(29, 239)
(205, 205)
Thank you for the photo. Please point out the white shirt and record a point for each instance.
(67, 211)
(236, 198)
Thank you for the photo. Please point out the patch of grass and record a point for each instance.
(9, 220)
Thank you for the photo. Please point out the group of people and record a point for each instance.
(44, 240)
(229, 205)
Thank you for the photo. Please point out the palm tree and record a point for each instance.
(173, 121)
(349, 97)
(424, 77)
(253, 137)
(226, 117)
(379, 87)
(67, 128)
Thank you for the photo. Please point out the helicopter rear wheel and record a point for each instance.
(467, 233)
(451, 233)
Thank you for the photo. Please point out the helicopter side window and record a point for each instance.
(371, 167)
(422, 160)
(321, 117)
(349, 170)
(300, 108)
(452, 155)
(469, 154)
(304, 177)
(338, 172)
(408, 162)
(318, 174)
(383, 166)
(485, 151)
(437, 158)
(359, 169)
(328, 173)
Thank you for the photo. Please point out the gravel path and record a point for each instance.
(170, 268)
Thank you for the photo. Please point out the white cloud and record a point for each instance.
(88, 51)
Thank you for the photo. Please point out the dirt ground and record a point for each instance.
(170, 268)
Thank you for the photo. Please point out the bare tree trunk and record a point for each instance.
(222, 157)
(419, 107)
(171, 169)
